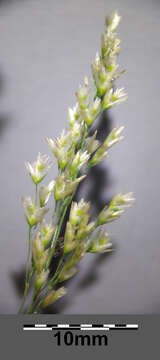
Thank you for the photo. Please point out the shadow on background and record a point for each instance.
(99, 180)
(92, 276)
(4, 118)
(93, 273)
(99, 175)
(8, 2)
(4, 122)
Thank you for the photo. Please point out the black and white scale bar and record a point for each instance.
(88, 327)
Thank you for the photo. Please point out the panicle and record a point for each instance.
(88, 110)
(53, 296)
(39, 254)
(78, 211)
(102, 151)
(67, 273)
(92, 143)
(105, 65)
(69, 238)
(114, 137)
(112, 22)
(91, 112)
(69, 269)
(76, 133)
(47, 231)
(64, 186)
(96, 107)
(101, 243)
(37, 247)
(72, 150)
(65, 138)
(45, 192)
(62, 148)
(102, 77)
(99, 156)
(78, 253)
(73, 115)
(116, 207)
(78, 161)
(85, 229)
(83, 95)
(78, 227)
(39, 169)
(112, 98)
(33, 214)
(40, 279)
(123, 200)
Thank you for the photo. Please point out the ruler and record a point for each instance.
(82, 327)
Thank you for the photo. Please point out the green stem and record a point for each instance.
(57, 232)
(24, 298)
(36, 194)
(28, 256)
(27, 283)
(28, 275)
(55, 210)
(52, 280)
(51, 283)
(31, 307)
(38, 306)
(63, 210)
(84, 137)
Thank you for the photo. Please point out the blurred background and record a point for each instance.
(46, 48)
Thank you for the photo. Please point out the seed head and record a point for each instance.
(39, 169)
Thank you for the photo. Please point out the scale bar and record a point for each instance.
(88, 327)
(37, 328)
(40, 325)
(95, 328)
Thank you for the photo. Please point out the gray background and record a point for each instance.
(46, 50)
